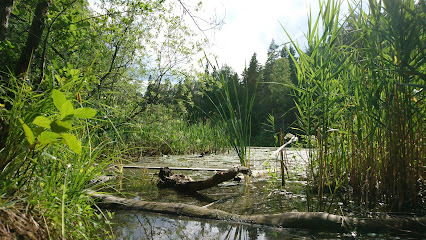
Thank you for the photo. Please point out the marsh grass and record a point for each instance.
(361, 93)
(234, 115)
(162, 125)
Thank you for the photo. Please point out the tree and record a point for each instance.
(281, 92)
(103, 55)
(5, 10)
(24, 62)
(206, 93)
(287, 53)
(263, 98)
(34, 37)
(251, 78)
(251, 75)
(29, 49)
(273, 55)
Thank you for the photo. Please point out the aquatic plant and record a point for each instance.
(360, 92)
(234, 114)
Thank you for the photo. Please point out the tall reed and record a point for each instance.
(235, 114)
(360, 92)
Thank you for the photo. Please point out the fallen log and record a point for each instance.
(319, 221)
(254, 173)
(184, 183)
(171, 168)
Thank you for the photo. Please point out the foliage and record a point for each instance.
(52, 51)
(45, 175)
(233, 110)
(57, 127)
(163, 125)
(281, 94)
(360, 93)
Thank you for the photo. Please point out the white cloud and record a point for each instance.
(251, 25)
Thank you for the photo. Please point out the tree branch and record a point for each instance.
(43, 56)
(34, 38)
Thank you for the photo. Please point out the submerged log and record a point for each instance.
(302, 220)
(184, 183)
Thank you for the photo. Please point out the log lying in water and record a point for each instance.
(302, 220)
(184, 183)
(171, 168)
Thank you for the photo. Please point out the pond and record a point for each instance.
(261, 194)
(136, 225)
(258, 194)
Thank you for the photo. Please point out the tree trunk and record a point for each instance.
(6, 7)
(185, 184)
(34, 37)
(25, 59)
(319, 221)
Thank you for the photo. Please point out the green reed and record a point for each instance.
(234, 115)
(360, 92)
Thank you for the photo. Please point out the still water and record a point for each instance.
(136, 225)
(262, 194)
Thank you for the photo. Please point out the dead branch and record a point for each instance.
(184, 183)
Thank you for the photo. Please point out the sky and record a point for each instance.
(251, 25)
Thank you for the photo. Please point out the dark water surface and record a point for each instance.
(136, 225)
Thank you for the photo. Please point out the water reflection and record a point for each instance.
(259, 196)
(136, 225)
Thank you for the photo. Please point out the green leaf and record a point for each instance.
(60, 126)
(85, 24)
(47, 137)
(28, 134)
(42, 121)
(58, 99)
(59, 79)
(37, 130)
(84, 113)
(67, 110)
(72, 142)
(73, 27)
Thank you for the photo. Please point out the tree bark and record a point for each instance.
(185, 184)
(25, 59)
(6, 7)
(319, 221)
(34, 37)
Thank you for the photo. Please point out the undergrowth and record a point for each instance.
(48, 160)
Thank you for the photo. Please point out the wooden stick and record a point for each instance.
(175, 168)
(282, 158)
